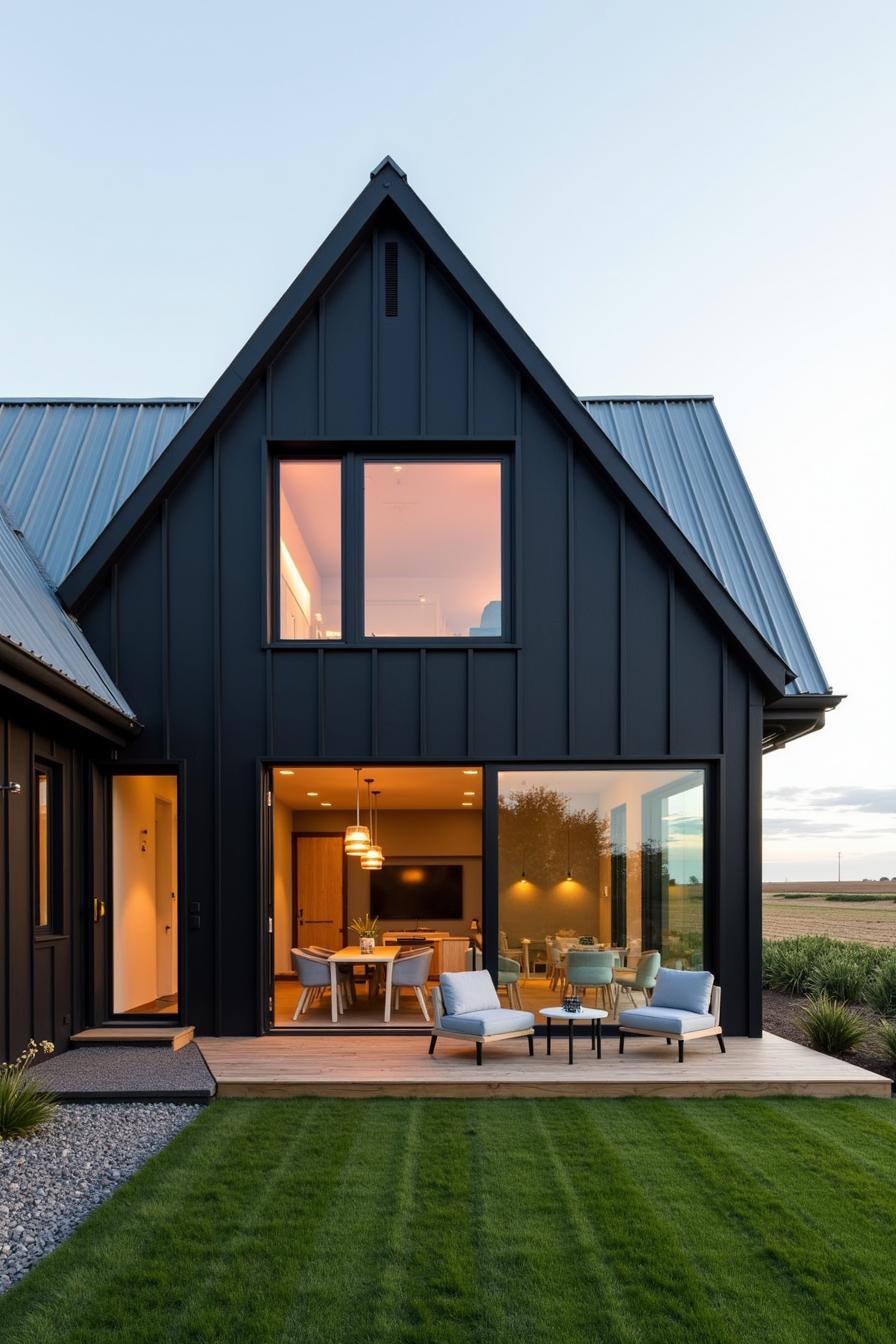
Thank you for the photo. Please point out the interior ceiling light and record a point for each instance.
(326, 804)
(312, 793)
(471, 772)
(357, 837)
(469, 793)
(466, 804)
(287, 772)
(373, 859)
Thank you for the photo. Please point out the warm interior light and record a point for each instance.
(466, 804)
(326, 804)
(311, 792)
(471, 772)
(357, 837)
(373, 859)
(287, 772)
(469, 793)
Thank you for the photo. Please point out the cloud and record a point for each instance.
(853, 798)
(786, 827)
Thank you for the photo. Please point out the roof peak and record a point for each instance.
(388, 164)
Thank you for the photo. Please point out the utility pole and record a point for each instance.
(838, 865)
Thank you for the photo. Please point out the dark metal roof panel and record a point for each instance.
(33, 619)
(66, 467)
(680, 450)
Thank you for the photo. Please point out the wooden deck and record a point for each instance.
(384, 1066)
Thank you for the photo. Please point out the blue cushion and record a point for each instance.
(488, 1022)
(688, 990)
(666, 1021)
(468, 991)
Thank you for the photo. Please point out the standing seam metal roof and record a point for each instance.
(67, 466)
(680, 450)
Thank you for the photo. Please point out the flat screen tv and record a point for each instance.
(418, 891)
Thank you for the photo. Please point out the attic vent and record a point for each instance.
(391, 279)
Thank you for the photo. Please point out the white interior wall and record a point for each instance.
(134, 917)
(282, 888)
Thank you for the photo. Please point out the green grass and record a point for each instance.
(711, 1222)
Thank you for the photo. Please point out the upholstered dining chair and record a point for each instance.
(639, 978)
(588, 969)
(313, 971)
(412, 972)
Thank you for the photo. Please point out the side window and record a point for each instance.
(45, 863)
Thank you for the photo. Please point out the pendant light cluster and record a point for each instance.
(360, 840)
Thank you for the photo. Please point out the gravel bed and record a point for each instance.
(104, 1070)
(50, 1182)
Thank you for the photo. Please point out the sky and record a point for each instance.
(671, 198)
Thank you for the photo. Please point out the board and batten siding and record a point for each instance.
(614, 655)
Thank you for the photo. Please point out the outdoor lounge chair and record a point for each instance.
(685, 1005)
(466, 1007)
(508, 974)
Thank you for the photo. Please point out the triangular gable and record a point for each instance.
(389, 186)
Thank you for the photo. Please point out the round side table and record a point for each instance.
(593, 1015)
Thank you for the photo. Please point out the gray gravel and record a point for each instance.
(49, 1183)
(126, 1071)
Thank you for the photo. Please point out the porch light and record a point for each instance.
(373, 859)
(357, 837)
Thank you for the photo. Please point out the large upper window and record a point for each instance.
(432, 549)
(310, 550)
(419, 555)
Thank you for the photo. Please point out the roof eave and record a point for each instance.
(31, 679)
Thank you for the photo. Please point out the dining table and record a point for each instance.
(353, 956)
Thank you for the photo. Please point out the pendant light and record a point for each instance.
(568, 877)
(357, 837)
(373, 859)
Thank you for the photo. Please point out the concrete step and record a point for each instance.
(176, 1037)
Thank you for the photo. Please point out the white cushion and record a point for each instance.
(488, 1022)
(666, 1021)
(689, 990)
(467, 992)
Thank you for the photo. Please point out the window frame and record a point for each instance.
(52, 927)
(353, 457)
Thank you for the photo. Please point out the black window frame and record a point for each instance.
(353, 457)
(53, 925)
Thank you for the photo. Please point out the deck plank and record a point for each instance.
(381, 1066)
(176, 1037)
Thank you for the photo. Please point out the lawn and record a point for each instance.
(562, 1221)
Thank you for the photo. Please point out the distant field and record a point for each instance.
(829, 888)
(871, 921)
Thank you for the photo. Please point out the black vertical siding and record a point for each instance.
(614, 656)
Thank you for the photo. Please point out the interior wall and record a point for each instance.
(134, 918)
(282, 888)
(419, 835)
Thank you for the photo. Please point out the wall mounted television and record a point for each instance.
(418, 891)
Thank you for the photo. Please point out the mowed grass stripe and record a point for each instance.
(417, 1221)
(755, 1297)
(787, 1205)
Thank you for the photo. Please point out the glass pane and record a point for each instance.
(42, 857)
(144, 894)
(310, 550)
(612, 856)
(432, 549)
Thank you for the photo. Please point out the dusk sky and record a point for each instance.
(680, 198)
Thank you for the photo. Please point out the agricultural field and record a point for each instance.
(853, 912)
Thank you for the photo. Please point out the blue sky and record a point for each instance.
(671, 198)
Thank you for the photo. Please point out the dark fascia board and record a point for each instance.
(388, 184)
(32, 680)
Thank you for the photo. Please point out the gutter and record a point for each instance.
(28, 677)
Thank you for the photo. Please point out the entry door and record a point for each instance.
(319, 891)
(166, 900)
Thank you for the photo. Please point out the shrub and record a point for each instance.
(880, 991)
(861, 896)
(886, 1038)
(831, 1026)
(788, 963)
(24, 1105)
(840, 974)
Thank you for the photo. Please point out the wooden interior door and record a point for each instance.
(319, 891)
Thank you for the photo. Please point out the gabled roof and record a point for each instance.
(33, 622)
(679, 448)
(389, 192)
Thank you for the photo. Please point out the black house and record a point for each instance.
(390, 545)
